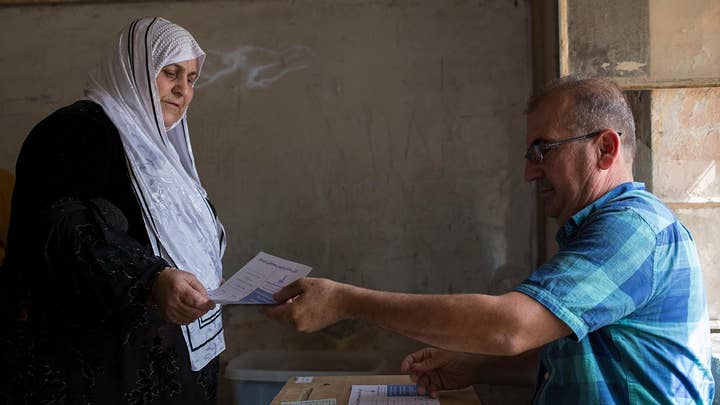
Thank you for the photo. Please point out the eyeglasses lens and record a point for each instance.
(534, 153)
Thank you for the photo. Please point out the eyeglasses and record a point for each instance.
(536, 150)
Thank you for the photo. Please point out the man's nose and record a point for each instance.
(532, 171)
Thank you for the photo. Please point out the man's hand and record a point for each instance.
(310, 304)
(434, 370)
(181, 297)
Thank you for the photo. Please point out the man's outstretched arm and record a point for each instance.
(506, 325)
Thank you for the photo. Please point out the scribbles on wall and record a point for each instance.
(260, 66)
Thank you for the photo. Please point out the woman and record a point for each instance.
(107, 207)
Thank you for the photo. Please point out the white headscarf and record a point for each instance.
(180, 224)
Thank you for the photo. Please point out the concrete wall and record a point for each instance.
(379, 142)
(684, 38)
(686, 144)
(658, 39)
(609, 38)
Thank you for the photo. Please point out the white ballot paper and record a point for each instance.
(256, 282)
(329, 401)
(388, 395)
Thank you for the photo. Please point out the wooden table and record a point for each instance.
(339, 387)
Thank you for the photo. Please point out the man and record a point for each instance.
(618, 315)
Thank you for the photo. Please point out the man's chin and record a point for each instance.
(548, 202)
(550, 211)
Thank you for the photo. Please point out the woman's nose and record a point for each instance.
(181, 87)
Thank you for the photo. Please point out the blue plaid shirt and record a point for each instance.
(627, 281)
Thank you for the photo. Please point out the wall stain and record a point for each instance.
(262, 66)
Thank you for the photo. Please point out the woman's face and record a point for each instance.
(175, 85)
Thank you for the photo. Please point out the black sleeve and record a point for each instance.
(92, 260)
(62, 249)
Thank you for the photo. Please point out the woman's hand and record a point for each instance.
(180, 296)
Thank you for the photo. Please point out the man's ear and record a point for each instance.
(609, 147)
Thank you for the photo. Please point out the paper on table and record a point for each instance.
(388, 395)
(328, 401)
(256, 282)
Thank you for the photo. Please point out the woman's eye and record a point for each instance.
(169, 74)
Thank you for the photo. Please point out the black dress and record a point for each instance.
(77, 323)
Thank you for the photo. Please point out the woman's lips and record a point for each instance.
(174, 105)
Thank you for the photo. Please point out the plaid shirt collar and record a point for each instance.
(572, 226)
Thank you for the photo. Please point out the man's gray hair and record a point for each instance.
(596, 104)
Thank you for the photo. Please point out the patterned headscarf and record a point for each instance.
(180, 223)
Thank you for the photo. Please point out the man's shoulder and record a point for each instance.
(639, 206)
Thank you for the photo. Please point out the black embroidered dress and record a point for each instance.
(78, 326)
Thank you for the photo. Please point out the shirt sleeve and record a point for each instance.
(604, 273)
